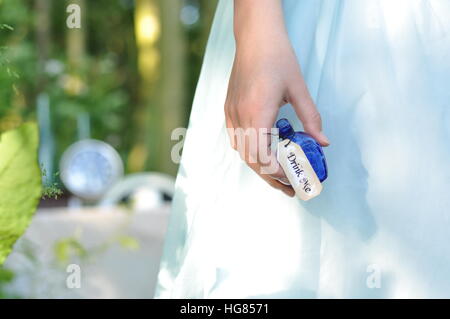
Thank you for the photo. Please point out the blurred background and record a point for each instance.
(106, 94)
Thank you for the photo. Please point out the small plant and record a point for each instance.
(50, 190)
(70, 249)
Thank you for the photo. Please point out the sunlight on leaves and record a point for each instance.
(20, 184)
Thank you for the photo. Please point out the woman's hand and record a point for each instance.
(265, 76)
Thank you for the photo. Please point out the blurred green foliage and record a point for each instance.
(66, 248)
(70, 249)
(6, 277)
(105, 85)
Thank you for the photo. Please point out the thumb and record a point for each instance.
(307, 112)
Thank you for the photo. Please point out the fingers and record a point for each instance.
(306, 110)
(286, 189)
(230, 128)
(253, 142)
(276, 172)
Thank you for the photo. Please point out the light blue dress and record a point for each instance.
(379, 72)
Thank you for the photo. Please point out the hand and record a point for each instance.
(265, 76)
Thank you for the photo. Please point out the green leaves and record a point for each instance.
(4, 26)
(20, 184)
(129, 242)
(66, 248)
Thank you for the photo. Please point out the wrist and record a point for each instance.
(258, 20)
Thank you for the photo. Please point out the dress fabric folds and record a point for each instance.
(379, 72)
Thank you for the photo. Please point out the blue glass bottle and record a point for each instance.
(311, 148)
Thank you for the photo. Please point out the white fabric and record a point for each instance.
(379, 71)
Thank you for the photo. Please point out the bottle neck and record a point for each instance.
(285, 129)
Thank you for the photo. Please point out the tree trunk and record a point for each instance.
(161, 60)
(42, 27)
(167, 112)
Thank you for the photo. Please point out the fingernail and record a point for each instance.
(288, 193)
(325, 139)
(282, 180)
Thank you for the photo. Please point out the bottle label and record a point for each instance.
(298, 170)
